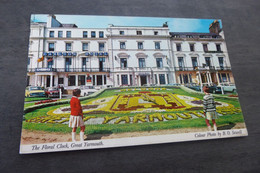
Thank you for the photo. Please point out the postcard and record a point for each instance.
(111, 81)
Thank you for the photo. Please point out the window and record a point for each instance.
(68, 46)
(123, 62)
(124, 80)
(140, 45)
(224, 77)
(138, 32)
(178, 47)
(190, 78)
(118, 83)
(101, 34)
(218, 47)
(192, 47)
(205, 47)
(180, 62)
(60, 80)
(122, 45)
(67, 64)
(51, 34)
(221, 62)
(84, 46)
(131, 79)
(180, 77)
(93, 34)
(81, 80)
(157, 45)
(51, 46)
(141, 62)
(85, 34)
(71, 81)
(155, 32)
(29, 61)
(68, 34)
(159, 62)
(101, 46)
(49, 62)
(121, 32)
(207, 59)
(60, 34)
(162, 79)
(84, 64)
(194, 62)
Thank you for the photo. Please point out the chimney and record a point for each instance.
(214, 27)
(52, 21)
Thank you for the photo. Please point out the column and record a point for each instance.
(207, 77)
(217, 78)
(103, 78)
(210, 79)
(35, 80)
(95, 80)
(77, 80)
(51, 79)
(45, 81)
(128, 79)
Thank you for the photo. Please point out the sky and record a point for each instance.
(174, 24)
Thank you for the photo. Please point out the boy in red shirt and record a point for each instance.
(76, 117)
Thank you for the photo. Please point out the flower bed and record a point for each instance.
(44, 101)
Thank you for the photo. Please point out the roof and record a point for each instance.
(193, 33)
(69, 25)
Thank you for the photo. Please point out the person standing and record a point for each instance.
(76, 117)
(209, 109)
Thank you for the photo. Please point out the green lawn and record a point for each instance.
(117, 128)
(30, 99)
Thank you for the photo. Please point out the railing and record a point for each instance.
(209, 51)
(201, 68)
(223, 68)
(68, 70)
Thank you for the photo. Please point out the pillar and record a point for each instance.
(217, 78)
(51, 79)
(77, 80)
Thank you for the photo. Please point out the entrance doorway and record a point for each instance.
(99, 80)
(143, 80)
(49, 81)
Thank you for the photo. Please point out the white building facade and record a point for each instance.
(201, 58)
(63, 54)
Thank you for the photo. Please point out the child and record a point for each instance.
(76, 117)
(209, 109)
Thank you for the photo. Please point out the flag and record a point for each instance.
(49, 60)
(41, 59)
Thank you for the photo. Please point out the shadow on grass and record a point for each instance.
(98, 136)
(227, 127)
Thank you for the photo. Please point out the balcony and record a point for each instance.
(208, 51)
(223, 68)
(68, 70)
(200, 68)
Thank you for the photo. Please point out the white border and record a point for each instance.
(120, 142)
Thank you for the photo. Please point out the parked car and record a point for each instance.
(87, 90)
(228, 87)
(193, 86)
(173, 84)
(34, 91)
(215, 89)
(52, 92)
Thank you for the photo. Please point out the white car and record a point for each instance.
(87, 90)
(228, 87)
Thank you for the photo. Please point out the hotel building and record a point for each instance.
(63, 54)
